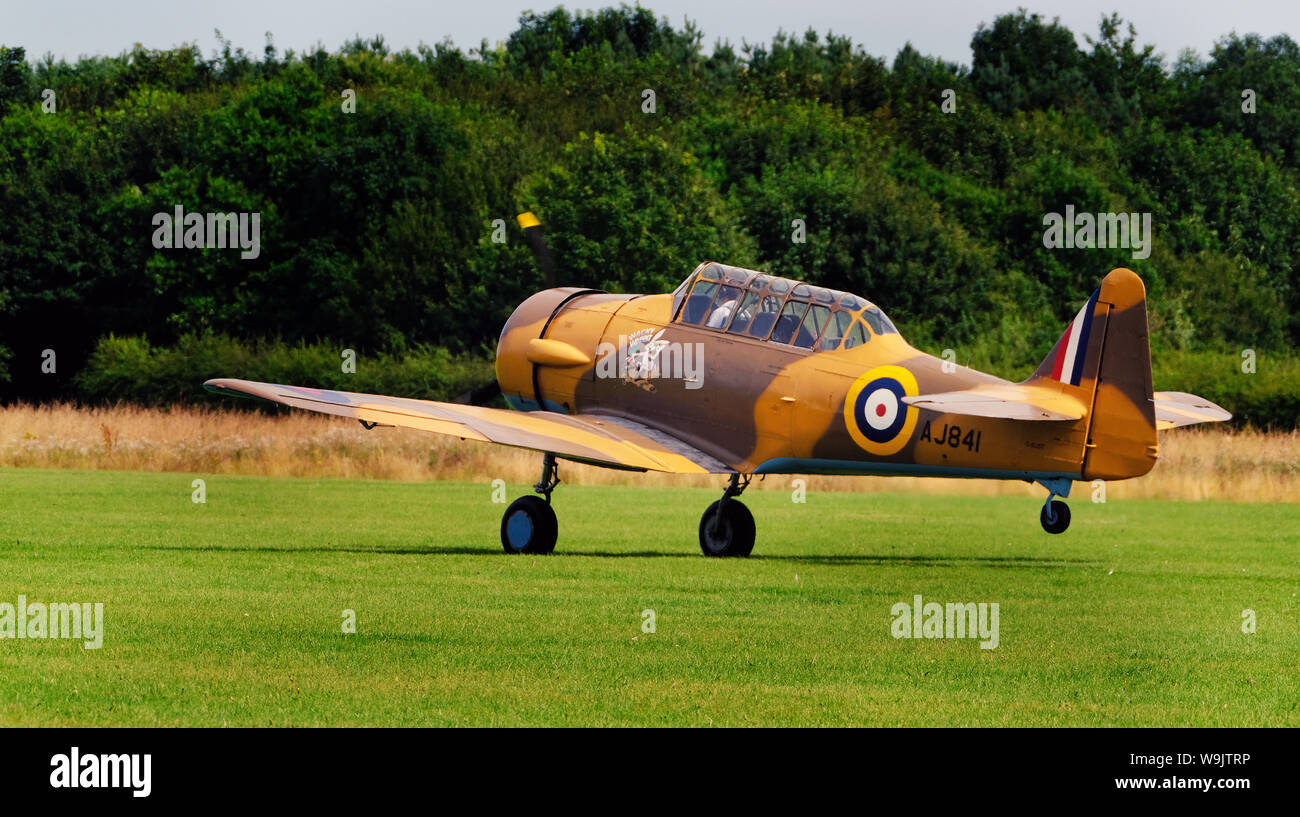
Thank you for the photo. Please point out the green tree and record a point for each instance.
(632, 213)
(1023, 63)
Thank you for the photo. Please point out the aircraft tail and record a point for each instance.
(1104, 360)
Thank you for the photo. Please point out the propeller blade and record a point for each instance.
(532, 228)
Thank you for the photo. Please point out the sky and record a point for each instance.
(69, 28)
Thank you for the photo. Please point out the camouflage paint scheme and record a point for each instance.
(765, 407)
(762, 407)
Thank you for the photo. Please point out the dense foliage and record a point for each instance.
(377, 225)
(130, 369)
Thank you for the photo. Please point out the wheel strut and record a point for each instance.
(734, 489)
(550, 477)
(1055, 516)
(1056, 486)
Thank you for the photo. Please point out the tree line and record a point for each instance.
(386, 180)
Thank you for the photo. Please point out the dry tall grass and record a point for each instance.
(1208, 463)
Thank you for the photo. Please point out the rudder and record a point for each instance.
(1122, 423)
(1104, 359)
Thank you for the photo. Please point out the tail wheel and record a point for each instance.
(529, 526)
(733, 533)
(1055, 516)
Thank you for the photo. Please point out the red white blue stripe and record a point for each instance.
(1073, 347)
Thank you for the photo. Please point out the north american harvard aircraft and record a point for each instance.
(741, 373)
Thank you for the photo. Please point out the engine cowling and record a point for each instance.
(547, 348)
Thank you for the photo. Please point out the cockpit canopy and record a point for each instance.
(778, 310)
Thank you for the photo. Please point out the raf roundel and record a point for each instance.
(874, 412)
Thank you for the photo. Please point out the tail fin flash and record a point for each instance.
(1066, 362)
(1104, 360)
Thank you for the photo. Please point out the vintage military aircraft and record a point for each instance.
(742, 373)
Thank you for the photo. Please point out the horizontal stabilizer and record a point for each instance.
(1006, 401)
(1176, 408)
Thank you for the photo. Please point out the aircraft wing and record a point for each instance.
(1006, 401)
(1176, 408)
(595, 439)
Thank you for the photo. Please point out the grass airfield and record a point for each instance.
(230, 612)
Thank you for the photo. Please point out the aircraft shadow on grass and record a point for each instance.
(832, 559)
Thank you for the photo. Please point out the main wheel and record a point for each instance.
(734, 533)
(1057, 519)
(529, 526)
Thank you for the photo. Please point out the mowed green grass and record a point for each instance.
(230, 612)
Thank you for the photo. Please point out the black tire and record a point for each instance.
(734, 535)
(1059, 518)
(529, 526)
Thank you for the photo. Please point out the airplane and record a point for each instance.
(741, 373)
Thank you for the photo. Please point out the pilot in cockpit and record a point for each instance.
(721, 314)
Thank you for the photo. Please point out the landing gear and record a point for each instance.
(727, 527)
(529, 524)
(1055, 516)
